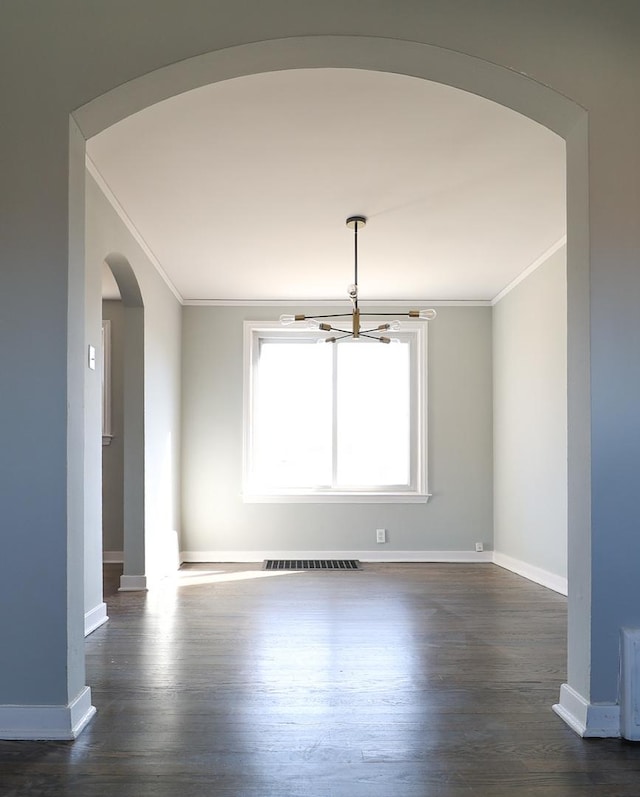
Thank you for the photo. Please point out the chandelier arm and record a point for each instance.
(374, 329)
(375, 315)
(329, 315)
(345, 331)
(340, 337)
(372, 337)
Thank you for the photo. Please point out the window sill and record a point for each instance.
(336, 498)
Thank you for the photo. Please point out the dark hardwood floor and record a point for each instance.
(394, 681)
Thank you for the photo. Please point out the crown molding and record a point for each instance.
(366, 306)
(126, 220)
(530, 269)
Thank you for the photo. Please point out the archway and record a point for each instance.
(492, 82)
(134, 571)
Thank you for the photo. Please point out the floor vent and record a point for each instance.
(311, 564)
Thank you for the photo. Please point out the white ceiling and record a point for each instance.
(241, 188)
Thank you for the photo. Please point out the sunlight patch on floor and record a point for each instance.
(188, 578)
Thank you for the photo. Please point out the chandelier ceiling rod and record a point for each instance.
(353, 222)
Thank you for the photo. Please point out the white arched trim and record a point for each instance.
(493, 82)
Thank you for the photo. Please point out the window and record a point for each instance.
(334, 422)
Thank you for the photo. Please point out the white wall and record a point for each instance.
(107, 234)
(215, 520)
(530, 424)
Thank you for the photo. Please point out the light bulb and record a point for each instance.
(313, 323)
(394, 326)
(395, 341)
(286, 318)
(426, 315)
(353, 291)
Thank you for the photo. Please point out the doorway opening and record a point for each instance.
(123, 519)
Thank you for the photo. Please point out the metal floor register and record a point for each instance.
(311, 564)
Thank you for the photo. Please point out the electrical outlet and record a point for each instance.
(479, 547)
(381, 535)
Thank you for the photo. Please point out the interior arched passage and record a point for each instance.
(493, 82)
(134, 570)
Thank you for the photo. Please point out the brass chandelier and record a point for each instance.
(357, 331)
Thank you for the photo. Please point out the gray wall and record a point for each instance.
(113, 454)
(571, 65)
(460, 449)
(530, 419)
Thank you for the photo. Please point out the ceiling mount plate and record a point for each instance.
(359, 220)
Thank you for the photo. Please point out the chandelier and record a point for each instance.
(359, 328)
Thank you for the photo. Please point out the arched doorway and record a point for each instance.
(496, 83)
(121, 392)
(133, 470)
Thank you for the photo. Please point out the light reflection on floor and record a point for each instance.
(162, 599)
(323, 652)
(312, 669)
(188, 578)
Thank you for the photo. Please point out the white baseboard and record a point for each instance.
(537, 574)
(589, 720)
(363, 556)
(94, 618)
(47, 722)
(133, 583)
(113, 557)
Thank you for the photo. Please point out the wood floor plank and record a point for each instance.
(403, 680)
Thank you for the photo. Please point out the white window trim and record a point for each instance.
(253, 331)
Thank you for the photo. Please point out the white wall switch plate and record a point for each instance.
(479, 547)
(381, 535)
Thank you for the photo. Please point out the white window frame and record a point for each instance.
(416, 492)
